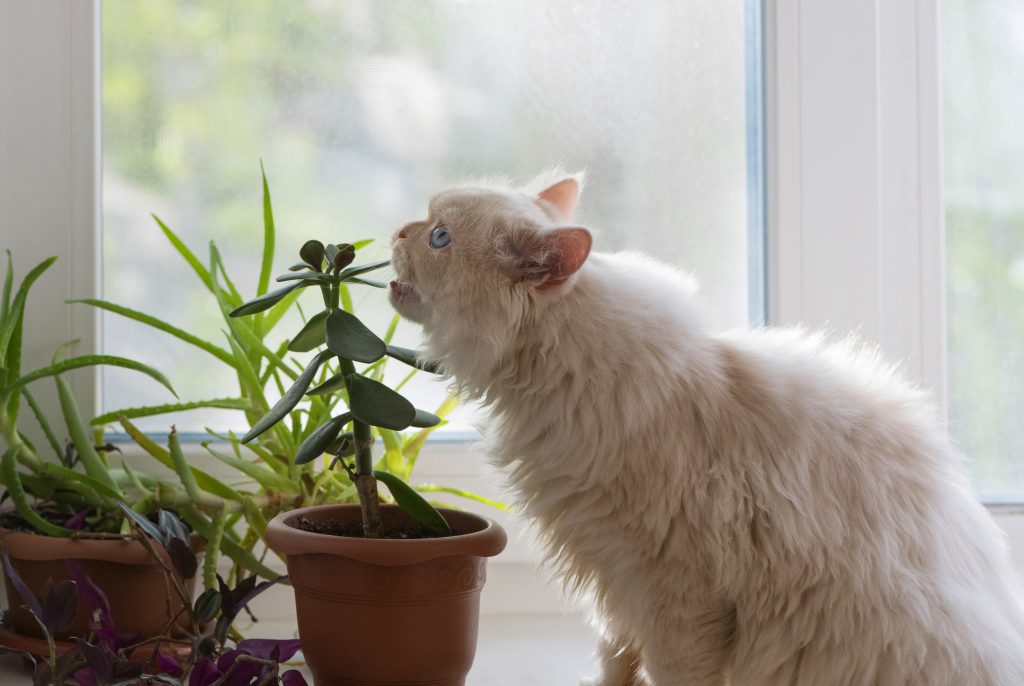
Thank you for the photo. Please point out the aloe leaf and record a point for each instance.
(213, 544)
(217, 266)
(410, 358)
(424, 419)
(208, 483)
(17, 308)
(317, 442)
(269, 480)
(12, 480)
(5, 300)
(312, 335)
(80, 437)
(257, 347)
(411, 446)
(374, 403)
(229, 547)
(90, 361)
(247, 375)
(201, 271)
(44, 423)
(181, 467)
(143, 318)
(135, 481)
(153, 410)
(290, 399)
(331, 385)
(463, 493)
(349, 338)
(268, 236)
(265, 301)
(13, 362)
(362, 269)
(413, 503)
(96, 488)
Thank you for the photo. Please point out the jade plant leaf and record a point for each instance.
(349, 338)
(290, 399)
(308, 277)
(317, 443)
(334, 383)
(312, 253)
(410, 358)
(425, 420)
(264, 302)
(414, 504)
(362, 269)
(313, 334)
(344, 257)
(374, 403)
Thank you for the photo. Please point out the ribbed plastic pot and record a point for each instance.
(387, 611)
(132, 580)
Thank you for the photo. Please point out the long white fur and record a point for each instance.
(756, 508)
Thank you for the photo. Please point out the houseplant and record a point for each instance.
(102, 653)
(263, 369)
(64, 503)
(415, 598)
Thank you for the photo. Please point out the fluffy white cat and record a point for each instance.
(756, 508)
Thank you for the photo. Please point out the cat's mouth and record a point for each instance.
(402, 290)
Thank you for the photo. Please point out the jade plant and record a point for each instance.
(269, 481)
(342, 340)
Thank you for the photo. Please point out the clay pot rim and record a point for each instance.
(25, 545)
(284, 537)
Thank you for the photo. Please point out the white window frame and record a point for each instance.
(854, 203)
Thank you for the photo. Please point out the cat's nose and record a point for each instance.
(401, 232)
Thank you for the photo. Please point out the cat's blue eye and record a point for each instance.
(440, 237)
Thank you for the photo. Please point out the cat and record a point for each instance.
(755, 508)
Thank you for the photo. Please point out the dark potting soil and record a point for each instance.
(332, 527)
(91, 525)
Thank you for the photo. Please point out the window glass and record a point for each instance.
(984, 166)
(360, 110)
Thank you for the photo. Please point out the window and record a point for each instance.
(361, 109)
(984, 148)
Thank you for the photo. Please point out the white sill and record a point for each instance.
(512, 651)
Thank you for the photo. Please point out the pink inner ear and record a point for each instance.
(570, 248)
(563, 196)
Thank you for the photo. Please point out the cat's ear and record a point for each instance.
(562, 196)
(548, 258)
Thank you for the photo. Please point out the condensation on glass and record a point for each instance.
(361, 110)
(983, 58)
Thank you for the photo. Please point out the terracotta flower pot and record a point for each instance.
(133, 582)
(387, 611)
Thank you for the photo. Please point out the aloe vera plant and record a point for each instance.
(28, 473)
(344, 340)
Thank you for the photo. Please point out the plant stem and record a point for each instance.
(366, 484)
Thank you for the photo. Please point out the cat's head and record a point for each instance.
(483, 261)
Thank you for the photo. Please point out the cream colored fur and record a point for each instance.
(756, 508)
